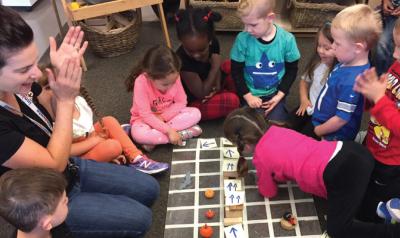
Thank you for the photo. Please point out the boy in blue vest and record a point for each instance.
(338, 110)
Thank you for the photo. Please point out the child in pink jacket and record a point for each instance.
(335, 170)
(159, 114)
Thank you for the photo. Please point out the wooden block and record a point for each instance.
(232, 221)
(229, 165)
(234, 198)
(226, 142)
(236, 207)
(230, 175)
(235, 231)
(231, 185)
(231, 153)
(233, 213)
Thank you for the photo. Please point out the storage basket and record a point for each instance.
(230, 20)
(306, 14)
(116, 41)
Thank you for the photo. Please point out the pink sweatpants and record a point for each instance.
(144, 134)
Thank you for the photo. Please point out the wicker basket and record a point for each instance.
(230, 20)
(116, 41)
(305, 14)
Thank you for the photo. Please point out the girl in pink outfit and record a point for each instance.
(159, 114)
(335, 170)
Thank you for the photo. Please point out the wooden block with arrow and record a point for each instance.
(235, 231)
(229, 168)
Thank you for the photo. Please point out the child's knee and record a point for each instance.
(110, 119)
(113, 147)
(194, 113)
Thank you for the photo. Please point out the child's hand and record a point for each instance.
(174, 137)
(370, 85)
(270, 105)
(387, 7)
(206, 98)
(303, 107)
(253, 101)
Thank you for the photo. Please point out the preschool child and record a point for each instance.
(264, 60)
(314, 77)
(383, 136)
(34, 201)
(205, 78)
(103, 141)
(338, 110)
(159, 114)
(335, 170)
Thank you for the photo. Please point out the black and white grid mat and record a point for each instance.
(261, 216)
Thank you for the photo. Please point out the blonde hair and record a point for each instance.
(360, 23)
(263, 7)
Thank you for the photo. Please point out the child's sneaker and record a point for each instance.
(393, 207)
(193, 131)
(126, 128)
(148, 166)
(383, 212)
(325, 235)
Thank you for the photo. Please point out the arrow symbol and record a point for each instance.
(230, 186)
(206, 144)
(230, 153)
(238, 198)
(230, 166)
(233, 230)
(235, 186)
(232, 197)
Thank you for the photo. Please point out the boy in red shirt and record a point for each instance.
(383, 137)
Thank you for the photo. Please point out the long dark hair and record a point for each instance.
(195, 21)
(244, 126)
(325, 30)
(158, 62)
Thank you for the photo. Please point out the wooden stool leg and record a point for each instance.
(164, 24)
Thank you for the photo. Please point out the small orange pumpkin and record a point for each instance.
(206, 231)
(209, 214)
(209, 193)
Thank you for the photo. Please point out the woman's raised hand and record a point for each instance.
(66, 83)
(71, 47)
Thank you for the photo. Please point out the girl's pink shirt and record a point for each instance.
(148, 102)
(283, 154)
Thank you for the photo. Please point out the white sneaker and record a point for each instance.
(325, 235)
(191, 132)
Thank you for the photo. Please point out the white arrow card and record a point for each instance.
(234, 198)
(208, 143)
(231, 153)
(232, 185)
(226, 141)
(229, 165)
(235, 231)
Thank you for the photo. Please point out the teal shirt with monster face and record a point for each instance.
(264, 63)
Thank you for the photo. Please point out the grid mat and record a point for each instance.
(261, 216)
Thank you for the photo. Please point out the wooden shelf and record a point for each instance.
(107, 8)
